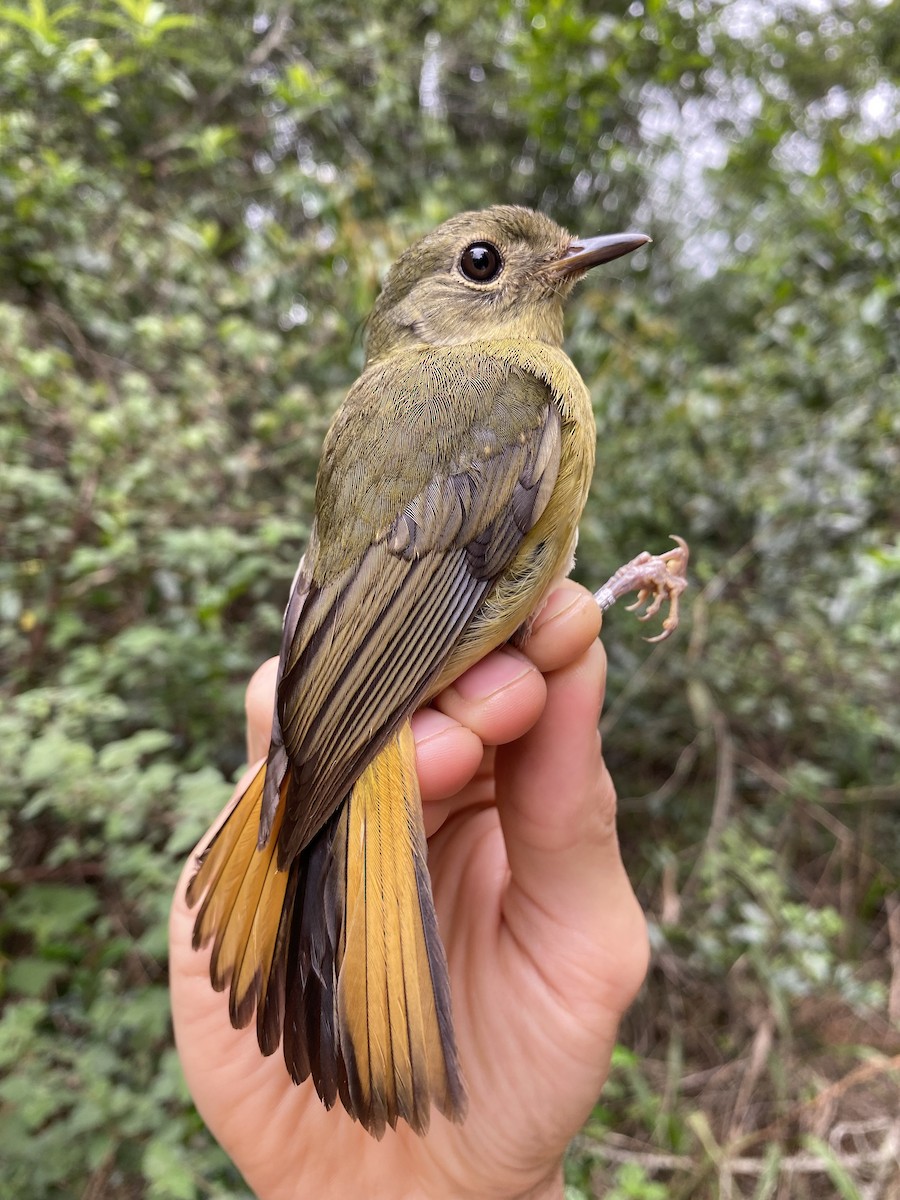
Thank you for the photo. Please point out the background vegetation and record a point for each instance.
(196, 206)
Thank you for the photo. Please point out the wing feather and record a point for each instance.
(370, 638)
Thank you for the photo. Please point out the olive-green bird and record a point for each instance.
(449, 492)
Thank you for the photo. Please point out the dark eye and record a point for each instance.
(481, 262)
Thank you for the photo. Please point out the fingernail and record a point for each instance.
(558, 604)
(492, 675)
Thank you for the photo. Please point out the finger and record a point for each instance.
(564, 628)
(495, 701)
(259, 704)
(569, 897)
(448, 755)
(498, 699)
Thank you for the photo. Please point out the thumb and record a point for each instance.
(569, 889)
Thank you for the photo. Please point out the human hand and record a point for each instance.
(545, 942)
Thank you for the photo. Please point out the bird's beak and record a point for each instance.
(583, 253)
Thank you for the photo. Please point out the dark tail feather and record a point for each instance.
(311, 1044)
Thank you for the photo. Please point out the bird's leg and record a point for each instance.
(660, 576)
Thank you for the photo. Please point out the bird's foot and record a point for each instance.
(655, 577)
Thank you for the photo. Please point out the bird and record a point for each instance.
(447, 502)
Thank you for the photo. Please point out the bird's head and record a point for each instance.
(504, 272)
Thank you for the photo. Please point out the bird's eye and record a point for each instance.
(481, 262)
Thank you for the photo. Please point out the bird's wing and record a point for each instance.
(364, 638)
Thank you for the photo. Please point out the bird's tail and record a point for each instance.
(339, 954)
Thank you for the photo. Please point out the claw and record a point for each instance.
(660, 576)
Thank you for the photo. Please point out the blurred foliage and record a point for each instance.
(196, 206)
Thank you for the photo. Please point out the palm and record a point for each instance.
(543, 936)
